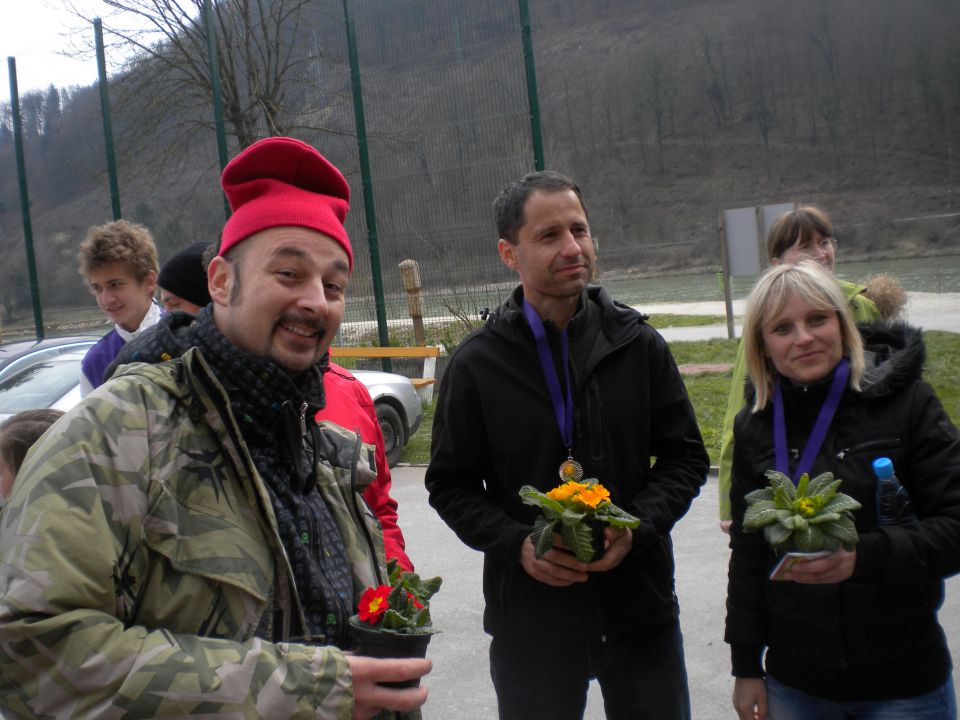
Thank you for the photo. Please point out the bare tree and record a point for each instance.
(758, 92)
(930, 93)
(658, 92)
(716, 89)
(270, 56)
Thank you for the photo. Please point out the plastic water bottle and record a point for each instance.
(894, 505)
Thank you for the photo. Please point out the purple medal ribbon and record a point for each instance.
(563, 409)
(820, 427)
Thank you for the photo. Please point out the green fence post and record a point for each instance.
(370, 214)
(214, 61)
(536, 134)
(107, 125)
(24, 198)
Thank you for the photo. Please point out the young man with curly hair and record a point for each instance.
(118, 261)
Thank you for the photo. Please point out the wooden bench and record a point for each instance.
(429, 353)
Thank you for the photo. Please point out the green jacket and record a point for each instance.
(864, 311)
(140, 563)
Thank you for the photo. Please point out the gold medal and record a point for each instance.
(570, 470)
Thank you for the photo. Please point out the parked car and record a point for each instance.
(46, 373)
(19, 354)
(399, 409)
(50, 381)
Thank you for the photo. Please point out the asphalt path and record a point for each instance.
(930, 311)
(460, 687)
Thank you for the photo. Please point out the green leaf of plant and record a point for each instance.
(759, 514)
(531, 496)
(845, 530)
(411, 580)
(617, 517)
(777, 534)
(428, 588)
(392, 620)
(579, 540)
(802, 485)
(421, 618)
(542, 535)
(756, 495)
(827, 517)
(571, 517)
(780, 482)
(818, 484)
(619, 522)
(830, 491)
(393, 571)
(809, 538)
(841, 503)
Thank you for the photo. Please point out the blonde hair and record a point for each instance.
(119, 242)
(809, 282)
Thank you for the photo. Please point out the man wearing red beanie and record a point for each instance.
(230, 524)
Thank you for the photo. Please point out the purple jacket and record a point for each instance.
(100, 356)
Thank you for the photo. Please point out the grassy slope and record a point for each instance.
(708, 392)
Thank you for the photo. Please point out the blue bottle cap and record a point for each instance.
(883, 468)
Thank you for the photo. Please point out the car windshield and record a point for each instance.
(38, 386)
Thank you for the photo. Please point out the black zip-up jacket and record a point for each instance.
(495, 431)
(874, 636)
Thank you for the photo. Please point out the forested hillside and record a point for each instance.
(665, 111)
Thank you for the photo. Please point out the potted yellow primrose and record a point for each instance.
(804, 521)
(578, 510)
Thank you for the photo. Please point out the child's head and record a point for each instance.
(17, 434)
(119, 262)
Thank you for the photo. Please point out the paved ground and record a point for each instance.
(460, 687)
(930, 311)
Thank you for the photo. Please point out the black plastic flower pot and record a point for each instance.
(376, 643)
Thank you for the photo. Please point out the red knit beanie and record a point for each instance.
(281, 181)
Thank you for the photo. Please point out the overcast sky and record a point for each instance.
(35, 32)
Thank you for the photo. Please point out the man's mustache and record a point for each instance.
(309, 323)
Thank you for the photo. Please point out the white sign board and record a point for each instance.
(743, 244)
(745, 233)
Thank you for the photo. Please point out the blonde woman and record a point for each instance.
(853, 634)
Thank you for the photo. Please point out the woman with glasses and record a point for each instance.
(802, 234)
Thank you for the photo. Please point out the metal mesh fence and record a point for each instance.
(448, 127)
(664, 113)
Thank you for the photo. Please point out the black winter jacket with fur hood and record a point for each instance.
(874, 636)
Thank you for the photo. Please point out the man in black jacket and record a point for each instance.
(563, 374)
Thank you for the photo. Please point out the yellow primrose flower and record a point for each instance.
(592, 496)
(565, 491)
(806, 506)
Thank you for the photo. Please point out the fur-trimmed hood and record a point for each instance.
(895, 354)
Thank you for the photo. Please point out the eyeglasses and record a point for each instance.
(824, 244)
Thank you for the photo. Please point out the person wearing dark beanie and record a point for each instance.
(183, 279)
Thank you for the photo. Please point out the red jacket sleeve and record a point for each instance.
(349, 404)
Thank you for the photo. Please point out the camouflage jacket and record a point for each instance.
(140, 564)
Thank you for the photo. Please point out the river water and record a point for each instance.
(931, 275)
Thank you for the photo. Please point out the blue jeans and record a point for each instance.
(641, 676)
(786, 703)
